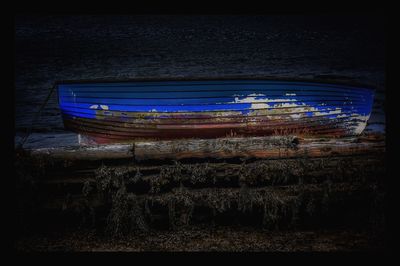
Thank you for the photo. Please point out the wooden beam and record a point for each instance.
(93, 152)
(271, 147)
(258, 147)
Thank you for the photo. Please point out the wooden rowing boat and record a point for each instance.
(135, 110)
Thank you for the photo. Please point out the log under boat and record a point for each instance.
(140, 110)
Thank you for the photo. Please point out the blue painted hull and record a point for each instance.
(118, 111)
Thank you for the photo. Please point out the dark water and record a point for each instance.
(51, 48)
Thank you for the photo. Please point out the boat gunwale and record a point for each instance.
(334, 82)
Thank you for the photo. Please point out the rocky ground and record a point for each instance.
(234, 239)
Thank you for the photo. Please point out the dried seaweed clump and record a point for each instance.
(126, 210)
(272, 172)
(277, 208)
(201, 173)
(180, 208)
(183, 174)
(168, 174)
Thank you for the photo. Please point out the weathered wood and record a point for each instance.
(94, 152)
(87, 106)
(259, 147)
(272, 147)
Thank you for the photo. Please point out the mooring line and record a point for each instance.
(34, 120)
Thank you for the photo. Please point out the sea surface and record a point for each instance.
(53, 48)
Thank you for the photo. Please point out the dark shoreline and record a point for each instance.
(226, 239)
(336, 194)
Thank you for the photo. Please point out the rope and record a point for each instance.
(37, 115)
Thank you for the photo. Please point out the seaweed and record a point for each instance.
(180, 208)
(278, 194)
(126, 213)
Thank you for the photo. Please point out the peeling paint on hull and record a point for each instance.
(128, 111)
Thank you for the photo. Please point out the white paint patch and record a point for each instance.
(263, 102)
(302, 107)
(95, 106)
(290, 94)
(360, 125)
(281, 100)
(291, 104)
(259, 106)
(104, 107)
(333, 112)
(251, 99)
(252, 94)
(256, 94)
(295, 116)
